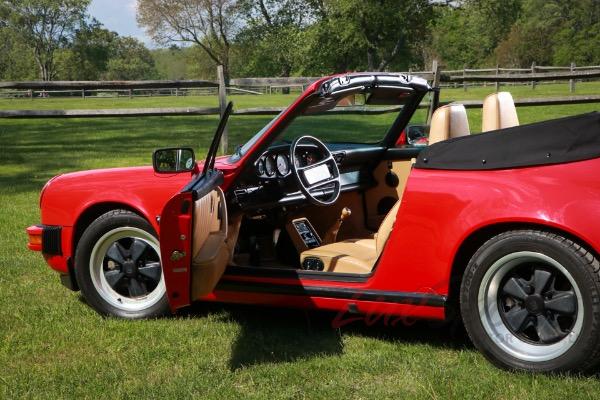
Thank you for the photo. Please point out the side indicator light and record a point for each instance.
(35, 238)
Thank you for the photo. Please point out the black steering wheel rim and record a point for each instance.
(299, 172)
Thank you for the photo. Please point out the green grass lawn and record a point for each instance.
(52, 345)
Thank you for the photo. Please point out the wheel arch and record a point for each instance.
(89, 214)
(478, 237)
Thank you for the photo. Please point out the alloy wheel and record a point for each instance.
(530, 305)
(126, 269)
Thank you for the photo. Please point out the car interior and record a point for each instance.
(270, 224)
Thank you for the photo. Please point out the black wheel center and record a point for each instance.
(129, 268)
(534, 304)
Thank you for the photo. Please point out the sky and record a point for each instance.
(119, 16)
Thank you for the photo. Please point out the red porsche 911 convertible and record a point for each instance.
(361, 197)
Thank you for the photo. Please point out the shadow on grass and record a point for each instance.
(32, 151)
(274, 335)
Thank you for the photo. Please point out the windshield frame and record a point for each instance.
(336, 85)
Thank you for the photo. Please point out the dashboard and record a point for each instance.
(276, 162)
(268, 182)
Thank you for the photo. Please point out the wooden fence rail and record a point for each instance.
(436, 75)
(542, 76)
(182, 111)
(498, 74)
(89, 85)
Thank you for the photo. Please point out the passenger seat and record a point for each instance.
(448, 122)
(499, 112)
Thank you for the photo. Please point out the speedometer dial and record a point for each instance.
(270, 166)
(283, 165)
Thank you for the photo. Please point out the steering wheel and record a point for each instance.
(313, 179)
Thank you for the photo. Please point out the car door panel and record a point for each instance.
(193, 241)
(210, 250)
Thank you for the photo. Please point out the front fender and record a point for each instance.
(73, 201)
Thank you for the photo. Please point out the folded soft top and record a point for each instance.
(549, 142)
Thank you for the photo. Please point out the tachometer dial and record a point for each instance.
(260, 167)
(283, 165)
(270, 166)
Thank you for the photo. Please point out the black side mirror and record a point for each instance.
(174, 159)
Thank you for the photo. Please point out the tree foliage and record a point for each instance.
(209, 24)
(55, 39)
(45, 26)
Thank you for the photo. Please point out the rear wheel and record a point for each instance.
(529, 301)
(118, 267)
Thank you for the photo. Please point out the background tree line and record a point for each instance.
(57, 39)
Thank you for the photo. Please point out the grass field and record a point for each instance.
(54, 346)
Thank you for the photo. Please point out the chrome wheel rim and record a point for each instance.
(530, 306)
(126, 270)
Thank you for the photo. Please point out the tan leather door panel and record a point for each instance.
(210, 249)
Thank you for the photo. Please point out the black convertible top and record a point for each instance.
(549, 142)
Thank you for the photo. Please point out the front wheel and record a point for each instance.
(530, 301)
(118, 267)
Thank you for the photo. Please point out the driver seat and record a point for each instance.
(353, 256)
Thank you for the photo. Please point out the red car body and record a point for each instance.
(444, 216)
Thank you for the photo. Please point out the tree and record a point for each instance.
(93, 46)
(16, 62)
(131, 60)
(210, 24)
(386, 29)
(579, 35)
(270, 42)
(467, 33)
(171, 63)
(46, 26)
(553, 32)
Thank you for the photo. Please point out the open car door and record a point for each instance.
(193, 233)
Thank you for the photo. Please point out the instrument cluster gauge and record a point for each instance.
(283, 165)
(270, 166)
(260, 167)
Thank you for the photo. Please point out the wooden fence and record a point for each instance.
(436, 75)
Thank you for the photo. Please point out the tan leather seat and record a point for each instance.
(355, 256)
(499, 112)
(448, 122)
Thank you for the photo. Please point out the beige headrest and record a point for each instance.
(499, 112)
(448, 122)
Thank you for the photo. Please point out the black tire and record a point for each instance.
(518, 252)
(109, 222)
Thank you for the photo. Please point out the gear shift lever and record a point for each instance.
(331, 234)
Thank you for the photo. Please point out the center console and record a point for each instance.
(303, 234)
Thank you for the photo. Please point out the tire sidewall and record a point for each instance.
(103, 224)
(558, 249)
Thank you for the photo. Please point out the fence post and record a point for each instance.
(533, 72)
(83, 94)
(222, 105)
(497, 83)
(572, 81)
(464, 74)
(435, 68)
